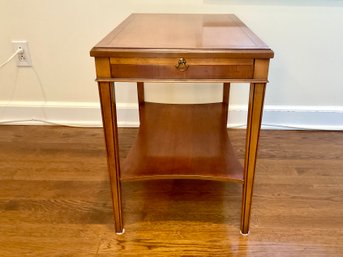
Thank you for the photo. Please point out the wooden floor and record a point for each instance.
(55, 199)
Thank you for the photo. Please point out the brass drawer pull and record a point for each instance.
(182, 65)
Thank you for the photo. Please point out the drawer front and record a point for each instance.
(181, 68)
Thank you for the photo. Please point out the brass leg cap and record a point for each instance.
(121, 233)
(243, 233)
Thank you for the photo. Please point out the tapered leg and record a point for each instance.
(226, 98)
(253, 131)
(140, 93)
(109, 118)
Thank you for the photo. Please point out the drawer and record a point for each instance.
(182, 68)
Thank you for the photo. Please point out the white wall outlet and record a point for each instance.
(24, 58)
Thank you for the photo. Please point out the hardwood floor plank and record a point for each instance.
(47, 189)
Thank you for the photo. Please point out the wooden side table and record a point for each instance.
(182, 141)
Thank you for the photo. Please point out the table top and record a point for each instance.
(182, 32)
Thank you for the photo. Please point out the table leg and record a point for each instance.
(253, 130)
(226, 98)
(141, 98)
(109, 118)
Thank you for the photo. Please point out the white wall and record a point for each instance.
(305, 86)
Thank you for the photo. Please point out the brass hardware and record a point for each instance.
(182, 65)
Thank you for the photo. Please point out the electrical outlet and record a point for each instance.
(24, 58)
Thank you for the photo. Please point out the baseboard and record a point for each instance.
(293, 117)
(69, 114)
(88, 114)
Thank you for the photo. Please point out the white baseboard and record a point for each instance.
(89, 115)
(70, 114)
(293, 117)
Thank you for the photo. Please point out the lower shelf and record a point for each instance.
(182, 141)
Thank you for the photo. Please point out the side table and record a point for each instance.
(182, 141)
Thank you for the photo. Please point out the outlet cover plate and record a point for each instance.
(23, 59)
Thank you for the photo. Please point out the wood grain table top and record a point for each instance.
(187, 32)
